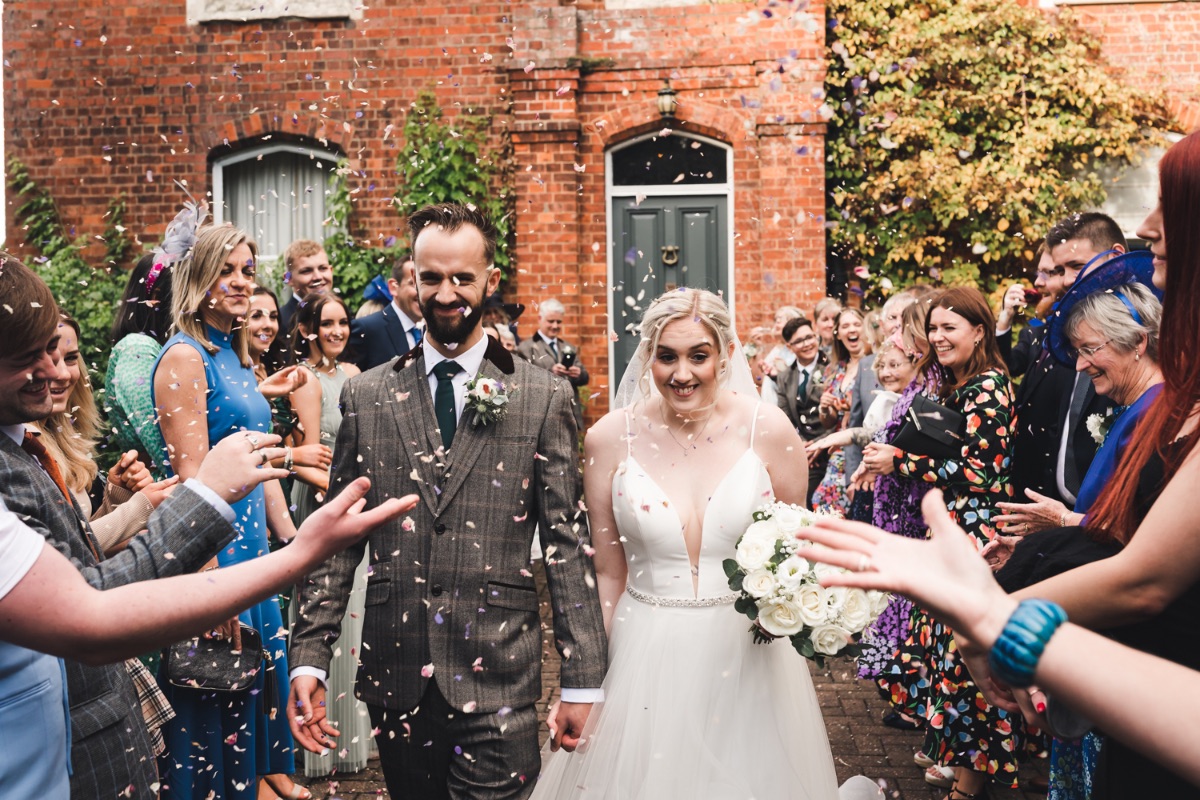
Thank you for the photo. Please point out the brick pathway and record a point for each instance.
(860, 744)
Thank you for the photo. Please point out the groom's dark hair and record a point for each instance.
(450, 217)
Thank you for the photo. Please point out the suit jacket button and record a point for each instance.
(439, 528)
(436, 590)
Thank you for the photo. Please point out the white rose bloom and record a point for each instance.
(828, 640)
(813, 603)
(753, 552)
(759, 583)
(879, 601)
(780, 618)
(834, 600)
(791, 572)
(856, 611)
(820, 570)
(764, 529)
(790, 520)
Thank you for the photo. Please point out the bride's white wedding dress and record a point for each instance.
(693, 708)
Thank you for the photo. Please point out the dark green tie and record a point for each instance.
(443, 400)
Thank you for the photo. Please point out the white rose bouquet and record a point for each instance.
(781, 594)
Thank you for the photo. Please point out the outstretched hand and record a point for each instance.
(342, 521)
(945, 574)
(239, 462)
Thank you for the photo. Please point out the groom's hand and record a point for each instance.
(306, 715)
(570, 720)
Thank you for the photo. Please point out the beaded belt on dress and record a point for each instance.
(682, 602)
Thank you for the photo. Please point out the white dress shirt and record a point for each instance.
(408, 324)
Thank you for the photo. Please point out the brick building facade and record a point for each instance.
(104, 99)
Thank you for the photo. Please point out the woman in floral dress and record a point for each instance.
(849, 346)
(963, 731)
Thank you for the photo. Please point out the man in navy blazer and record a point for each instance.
(378, 338)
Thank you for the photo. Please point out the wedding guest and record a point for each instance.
(967, 375)
(548, 350)
(376, 296)
(307, 272)
(849, 346)
(205, 391)
(398, 328)
(140, 327)
(825, 315)
(862, 395)
(1051, 448)
(1120, 321)
(269, 356)
(49, 607)
(946, 575)
(1147, 509)
(756, 348)
(779, 357)
(896, 510)
(70, 435)
(800, 387)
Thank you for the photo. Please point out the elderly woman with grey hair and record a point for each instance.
(1113, 337)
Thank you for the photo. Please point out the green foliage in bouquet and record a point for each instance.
(960, 130)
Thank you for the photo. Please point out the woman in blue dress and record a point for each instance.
(204, 390)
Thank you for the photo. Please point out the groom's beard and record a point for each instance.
(450, 330)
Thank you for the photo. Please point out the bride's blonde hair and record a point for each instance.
(700, 305)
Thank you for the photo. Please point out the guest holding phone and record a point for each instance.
(548, 350)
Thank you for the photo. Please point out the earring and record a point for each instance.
(1137, 356)
(977, 341)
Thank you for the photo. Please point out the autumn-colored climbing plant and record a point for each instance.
(959, 130)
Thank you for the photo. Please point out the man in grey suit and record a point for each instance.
(799, 389)
(111, 752)
(450, 662)
(548, 350)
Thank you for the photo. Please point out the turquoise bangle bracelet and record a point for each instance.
(1014, 656)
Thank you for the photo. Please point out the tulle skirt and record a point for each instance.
(693, 708)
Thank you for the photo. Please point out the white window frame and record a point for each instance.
(672, 190)
(201, 11)
(253, 154)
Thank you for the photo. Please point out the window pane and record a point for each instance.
(278, 198)
(665, 160)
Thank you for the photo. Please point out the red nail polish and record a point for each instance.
(1041, 708)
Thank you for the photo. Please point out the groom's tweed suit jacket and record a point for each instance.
(450, 589)
(110, 748)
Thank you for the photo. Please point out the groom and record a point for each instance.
(451, 652)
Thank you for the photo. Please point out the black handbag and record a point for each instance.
(930, 429)
(213, 665)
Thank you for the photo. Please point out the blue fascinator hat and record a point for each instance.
(1133, 267)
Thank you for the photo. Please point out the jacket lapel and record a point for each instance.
(470, 438)
(395, 330)
(414, 417)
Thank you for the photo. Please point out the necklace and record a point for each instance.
(682, 446)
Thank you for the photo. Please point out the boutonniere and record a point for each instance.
(1098, 425)
(488, 398)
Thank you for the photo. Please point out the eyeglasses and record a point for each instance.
(1088, 352)
(803, 340)
(1052, 273)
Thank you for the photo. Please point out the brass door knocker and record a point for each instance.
(670, 255)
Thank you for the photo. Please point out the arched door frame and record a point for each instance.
(662, 190)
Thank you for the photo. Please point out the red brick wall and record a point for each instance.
(1155, 47)
(104, 99)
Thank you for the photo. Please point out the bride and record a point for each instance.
(692, 707)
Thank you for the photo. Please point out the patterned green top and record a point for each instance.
(129, 404)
